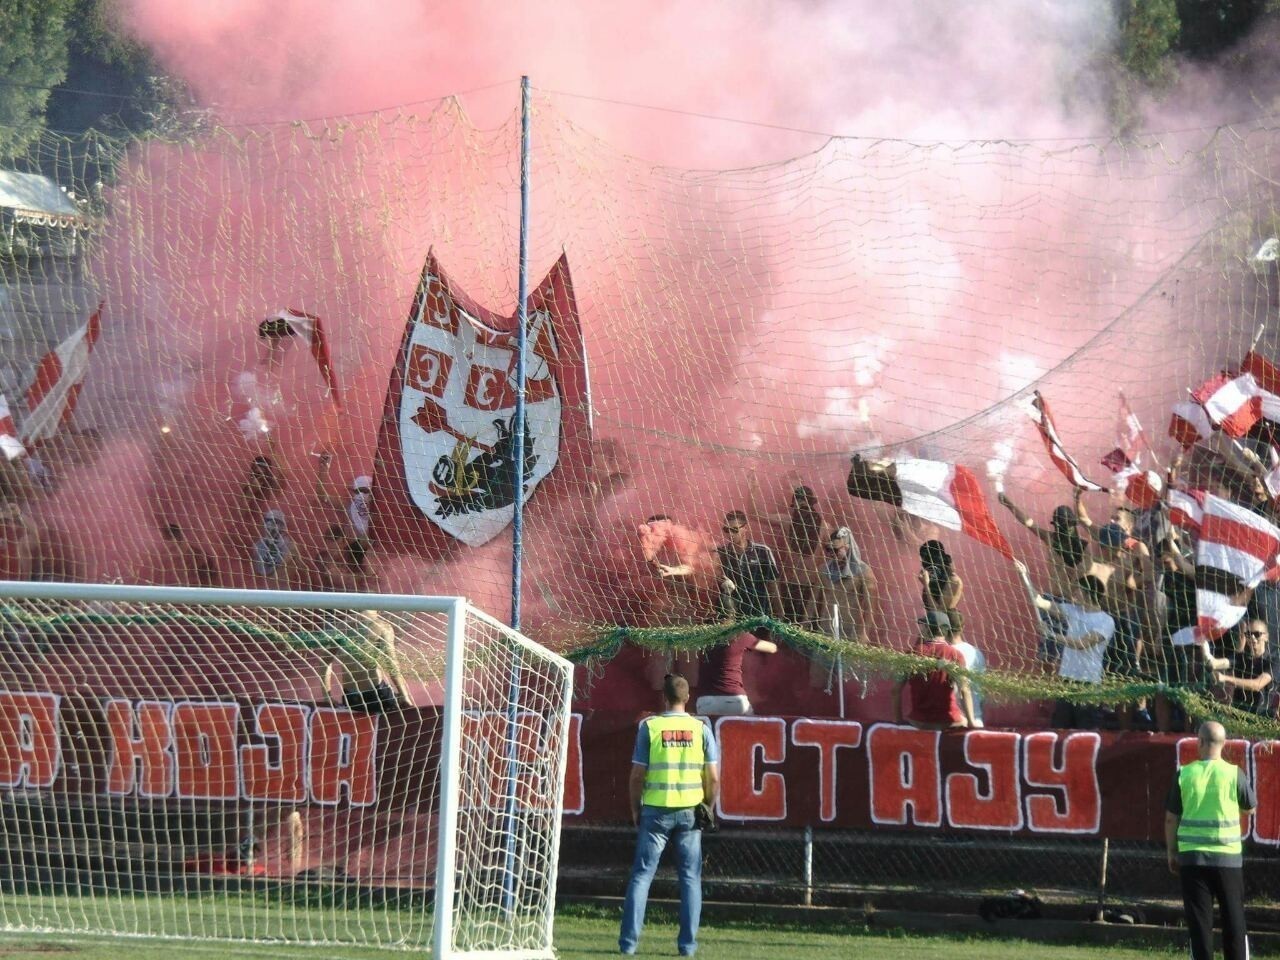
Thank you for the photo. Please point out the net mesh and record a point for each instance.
(274, 773)
(745, 332)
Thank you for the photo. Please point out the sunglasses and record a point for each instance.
(1257, 633)
(733, 529)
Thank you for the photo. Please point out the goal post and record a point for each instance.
(275, 765)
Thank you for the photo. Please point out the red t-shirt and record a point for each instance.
(723, 675)
(933, 694)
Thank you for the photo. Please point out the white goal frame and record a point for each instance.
(457, 609)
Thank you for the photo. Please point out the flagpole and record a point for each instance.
(517, 518)
(522, 320)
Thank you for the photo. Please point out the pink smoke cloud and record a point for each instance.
(766, 317)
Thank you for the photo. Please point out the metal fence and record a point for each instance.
(895, 867)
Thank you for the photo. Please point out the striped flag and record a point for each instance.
(1233, 404)
(948, 495)
(1130, 441)
(10, 445)
(1186, 508)
(1267, 375)
(1066, 464)
(1189, 424)
(1142, 488)
(51, 398)
(1236, 551)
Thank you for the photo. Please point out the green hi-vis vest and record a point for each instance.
(676, 759)
(1210, 808)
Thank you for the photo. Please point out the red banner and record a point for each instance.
(797, 772)
(444, 468)
(775, 771)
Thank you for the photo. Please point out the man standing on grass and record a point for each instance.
(674, 772)
(1202, 834)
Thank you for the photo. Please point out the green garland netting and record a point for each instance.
(999, 685)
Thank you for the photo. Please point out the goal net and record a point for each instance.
(338, 768)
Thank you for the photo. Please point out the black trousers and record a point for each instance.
(1200, 886)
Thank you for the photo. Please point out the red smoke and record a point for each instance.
(770, 318)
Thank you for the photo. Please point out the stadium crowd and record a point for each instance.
(1118, 598)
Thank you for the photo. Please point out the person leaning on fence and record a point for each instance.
(724, 694)
(974, 661)
(674, 782)
(938, 701)
(1088, 632)
(1202, 836)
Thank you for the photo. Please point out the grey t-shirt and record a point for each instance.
(1247, 799)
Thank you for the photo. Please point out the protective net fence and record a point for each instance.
(277, 392)
(275, 773)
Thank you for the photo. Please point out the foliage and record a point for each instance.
(33, 59)
(1148, 34)
(997, 685)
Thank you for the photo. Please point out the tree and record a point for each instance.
(33, 59)
(1150, 32)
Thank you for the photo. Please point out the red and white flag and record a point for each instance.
(1142, 488)
(1267, 375)
(290, 322)
(1236, 550)
(1131, 441)
(1189, 424)
(55, 387)
(10, 445)
(950, 496)
(1038, 409)
(1234, 404)
(1186, 508)
(443, 472)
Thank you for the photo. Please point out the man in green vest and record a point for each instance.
(674, 770)
(1202, 834)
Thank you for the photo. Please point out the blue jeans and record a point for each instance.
(657, 826)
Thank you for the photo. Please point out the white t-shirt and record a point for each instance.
(973, 658)
(975, 661)
(1085, 665)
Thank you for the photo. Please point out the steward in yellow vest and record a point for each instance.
(1202, 834)
(674, 771)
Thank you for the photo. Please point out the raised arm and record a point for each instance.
(1172, 555)
(1022, 517)
(966, 702)
(1082, 514)
(322, 492)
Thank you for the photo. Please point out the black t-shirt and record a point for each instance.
(1248, 667)
(1180, 594)
(751, 572)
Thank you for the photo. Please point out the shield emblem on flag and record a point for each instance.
(447, 445)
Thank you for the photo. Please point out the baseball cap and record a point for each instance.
(362, 483)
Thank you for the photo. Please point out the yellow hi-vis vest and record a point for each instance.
(1210, 808)
(676, 759)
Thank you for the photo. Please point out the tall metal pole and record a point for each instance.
(509, 885)
(522, 321)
